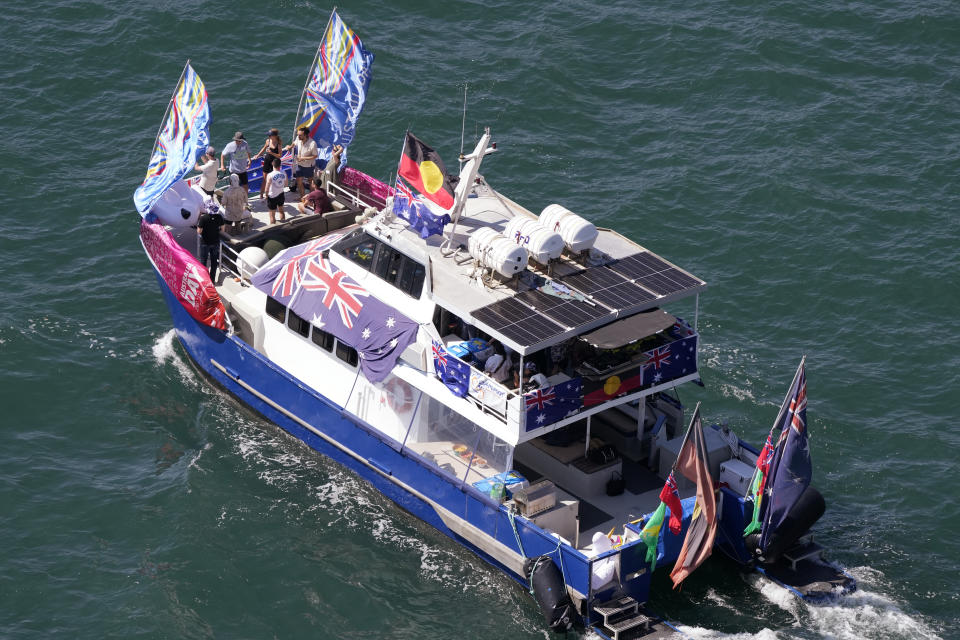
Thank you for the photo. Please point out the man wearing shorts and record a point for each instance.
(276, 187)
(238, 152)
(306, 154)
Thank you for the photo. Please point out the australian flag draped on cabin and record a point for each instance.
(336, 89)
(305, 280)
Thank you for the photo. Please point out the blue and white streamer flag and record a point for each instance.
(337, 89)
(183, 139)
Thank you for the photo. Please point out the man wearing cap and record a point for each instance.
(306, 154)
(208, 181)
(238, 153)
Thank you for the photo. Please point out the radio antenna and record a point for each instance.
(463, 124)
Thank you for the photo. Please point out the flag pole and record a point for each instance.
(173, 96)
(463, 124)
(310, 73)
(686, 436)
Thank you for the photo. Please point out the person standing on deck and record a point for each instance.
(208, 228)
(208, 181)
(276, 182)
(238, 153)
(234, 201)
(270, 151)
(306, 154)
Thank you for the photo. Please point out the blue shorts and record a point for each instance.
(304, 172)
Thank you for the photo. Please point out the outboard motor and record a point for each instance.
(550, 593)
(804, 514)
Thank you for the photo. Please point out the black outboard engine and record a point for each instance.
(807, 510)
(550, 593)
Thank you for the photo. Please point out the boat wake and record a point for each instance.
(862, 614)
(164, 352)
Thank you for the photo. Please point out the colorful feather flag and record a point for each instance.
(336, 89)
(182, 140)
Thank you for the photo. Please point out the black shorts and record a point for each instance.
(243, 178)
(304, 172)
(275, 203)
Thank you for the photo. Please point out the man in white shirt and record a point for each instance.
(276, 191)
(238, 153)
(306, 154)
(208, 181)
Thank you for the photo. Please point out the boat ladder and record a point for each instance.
(622, 616)
(804, 548)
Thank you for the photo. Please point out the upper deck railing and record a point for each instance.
(673, 358)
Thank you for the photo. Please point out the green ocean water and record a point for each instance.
(802, 158)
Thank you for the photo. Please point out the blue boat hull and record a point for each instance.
(410, 482)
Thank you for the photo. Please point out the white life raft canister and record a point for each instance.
(578, 234)
(542, 243)
(179, 206)
(497, 252)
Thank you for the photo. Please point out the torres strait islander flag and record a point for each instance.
(422, 167)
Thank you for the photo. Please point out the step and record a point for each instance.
(614, 607)
(800, 552)
(633, 622)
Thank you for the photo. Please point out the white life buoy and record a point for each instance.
(398, 395)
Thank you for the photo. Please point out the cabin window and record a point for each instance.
(298, 324)
(362, 252)
(347, 353)
(322, 339)
(411, 277)
(385, 262)
(276, 310)
(455, 445)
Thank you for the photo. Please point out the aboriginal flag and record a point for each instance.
(422, 167)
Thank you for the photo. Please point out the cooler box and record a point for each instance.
(737, 474)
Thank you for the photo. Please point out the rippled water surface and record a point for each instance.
(800, 157)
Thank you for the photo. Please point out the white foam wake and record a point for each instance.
(862, 614)
(164, 352)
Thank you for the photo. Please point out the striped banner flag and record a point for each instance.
(182, 140)
(336, 89)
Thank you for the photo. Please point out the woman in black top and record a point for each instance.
(272, 148)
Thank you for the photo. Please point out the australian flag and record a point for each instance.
(791, 470)
(305, 280)
(552, 404)
(671, 361)
(411, 208)
(452, 371)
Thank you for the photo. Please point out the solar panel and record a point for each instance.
(655, 274)
(518, 322)
(608, 288)
(569, 313)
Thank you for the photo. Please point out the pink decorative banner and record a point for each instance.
(365, 185)
(187, 278)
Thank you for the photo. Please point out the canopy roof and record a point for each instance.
(626, 330)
